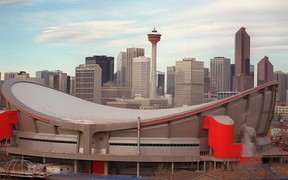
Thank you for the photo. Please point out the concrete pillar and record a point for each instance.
(204, 166)
(44, 160)
(138, 169)
(75, 167)
(86, 140)
(197, 165)
(214, 165)
(106, 168)
(172, 168)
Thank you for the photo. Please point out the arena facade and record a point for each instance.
(48, 126)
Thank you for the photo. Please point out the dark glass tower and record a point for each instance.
(106, 64)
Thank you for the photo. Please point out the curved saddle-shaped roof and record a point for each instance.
(48, 104)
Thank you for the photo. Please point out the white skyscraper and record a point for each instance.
(141, 76)
(189, 82)
(88, 82)
(131, 53)
(121, 68)
(220, 74)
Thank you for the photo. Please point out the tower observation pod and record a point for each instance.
(154, 38)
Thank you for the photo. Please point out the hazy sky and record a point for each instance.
(44, 34)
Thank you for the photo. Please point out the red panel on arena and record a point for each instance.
(221, 136)
(98, 167)
(7, 119)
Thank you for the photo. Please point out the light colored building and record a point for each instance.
(171, 80)
(121, 68)
(281, 110)
(88, 82)
(9, 75)
(220, 74)
(45, 75)
(226, 94)
(141, 76)
(111, 93)
(189, 82)
(58, 81)
(72, 86)
(131, 53)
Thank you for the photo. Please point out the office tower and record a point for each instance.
(282, 79)
(154, 38)
(220, 74)
(72, 87)
(189, 82)
(121, 68)
(106, 64)
(160, 83)
(232, 73)
(9, 75)
(264, 71)
(242, 79)
(206, 80)
(141, 76)
(58, 81)
(171, 80)
(88, 82)
(45, 75)
(131, 53)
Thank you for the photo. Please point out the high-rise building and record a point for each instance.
(220, 74)
(45, 75)
(154, 38)
(189, 82)
(141, 76)
(131, 53)
(160, 83)
(171, 80)
(207, 78)
(242, 79)
(121, 68)
(264, 71)
(232, 73)
(282, 79)
(106, 64)
(88, 82)
(58, 81)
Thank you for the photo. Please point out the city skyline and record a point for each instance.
(49, 35)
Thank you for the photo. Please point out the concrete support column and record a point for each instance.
(75, 167)
(86, 140)
(204, 166)
(106, 168)
(172, 168)
(138, 169)
(44, 160)
(214, 165)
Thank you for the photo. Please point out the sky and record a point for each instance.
(50, 35)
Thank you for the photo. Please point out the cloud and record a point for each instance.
(90, 31)
(12, 2)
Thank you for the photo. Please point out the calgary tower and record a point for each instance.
(154, 38)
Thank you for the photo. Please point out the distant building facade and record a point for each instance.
(282, 79)
(88, 82)
(160, 83)
(207, 80)
(264, 71)
(106, 64)
(131, 53)
(121, 68)
(171, 80)
(141, 76)
(242, 79)
(220, 74)
(189, 82)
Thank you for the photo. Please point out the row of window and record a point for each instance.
(158, 145)
(47, 140)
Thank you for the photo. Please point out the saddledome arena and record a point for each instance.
(46, 125)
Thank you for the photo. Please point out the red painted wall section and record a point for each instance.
(98, 167)
(7, 119)
(221, 136)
